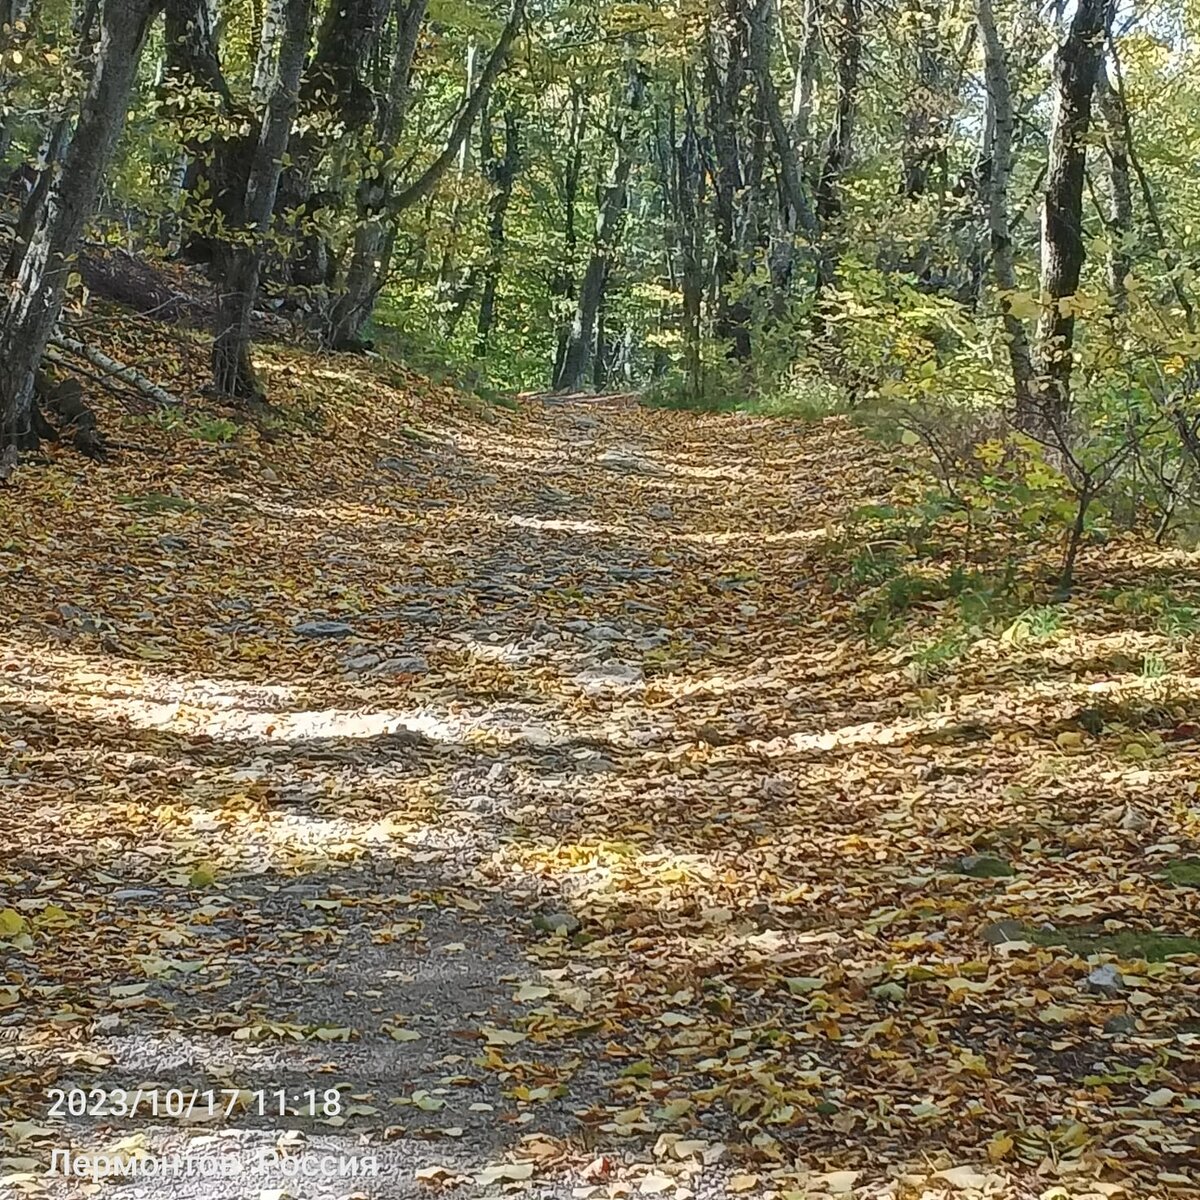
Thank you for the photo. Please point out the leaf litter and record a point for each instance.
(637, 871)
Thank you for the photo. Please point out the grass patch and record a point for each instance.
(1183, 872)
(1148, 945)
(727, 390)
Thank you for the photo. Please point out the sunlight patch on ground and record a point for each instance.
(562, 525)
(28, 667)
(658, 534)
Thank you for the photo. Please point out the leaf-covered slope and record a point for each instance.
(533, 779)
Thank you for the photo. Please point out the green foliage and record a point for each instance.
(1170, 614)
(214, 429)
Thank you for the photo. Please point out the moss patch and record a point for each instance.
(1150, 945)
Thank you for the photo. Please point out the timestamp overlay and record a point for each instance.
(220, 1151)
(190, 1104)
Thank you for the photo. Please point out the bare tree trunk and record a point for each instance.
(726, 59)
(336, 105)
(449, 281)
(797, 212)
(502, 175)
(376, 235)
(926, 116)
(838, 145)
(287, 27)
(1120, 191)
(563, 279)
(805, 76)
(50, 232)
(1076, 67)
(613, 199)
(682, 180)
(995, 171)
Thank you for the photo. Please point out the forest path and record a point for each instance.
(531, 787)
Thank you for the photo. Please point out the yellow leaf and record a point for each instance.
(999, 1147)
(11, 922)
(403, 1035)
(502, 1037)
(202, 877)
(743, 1183)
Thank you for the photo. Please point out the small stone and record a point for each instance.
(1091, 720)
(323, 629)
(604, 633)
(362, 662)
(415, 615)
(1134, 821)
(981, 866)
(1105, 980)
(564, 923)
(396, 465)
(304, 890)
(653, 640)
(598, 765)
(1000, 932)
(623, 460)
(660, 512)
(611, 677)
(405, 664)
(268, 476)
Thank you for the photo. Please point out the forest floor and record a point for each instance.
(530, 782)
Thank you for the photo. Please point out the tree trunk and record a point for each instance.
(1120, 190)
(726, 55)
(502, 175)
(1076, 68)
(190, 31)
(450, 279)
(926, 115)
(613, 198)
(995, 170)
(371, 259)
(838, 145)
(239, 259)
(373, 237)
(336, 105)
(563, 280)
(797, 214)
(805, 76)
(51, 230)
